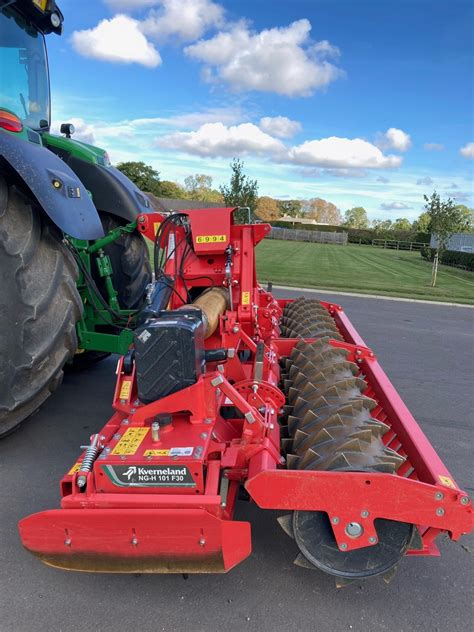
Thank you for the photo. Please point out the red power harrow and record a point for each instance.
(230, 388)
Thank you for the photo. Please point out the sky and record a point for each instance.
(362, 103)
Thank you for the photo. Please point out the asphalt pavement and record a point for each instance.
(427, 351)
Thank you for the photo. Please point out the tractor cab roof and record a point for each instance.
(43, 15)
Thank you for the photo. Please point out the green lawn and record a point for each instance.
(360, 269)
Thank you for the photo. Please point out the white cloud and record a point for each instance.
(187, 20)
(130, 5)
(117, 40)
(383, 180)
(279, 60)
(215, 139)
(279, 126)
(342, 153)
(424, 181)
(394, 206)
(433, 146)
(467, 151)
(226, 115)
(394, 138)
(325, 49)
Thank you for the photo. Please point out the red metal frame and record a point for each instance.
(191, 528)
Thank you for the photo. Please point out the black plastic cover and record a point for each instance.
(169, 353)
(56, 187)
(112, 192)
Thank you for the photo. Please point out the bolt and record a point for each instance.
(343, 546)
(464, 500)
(107, 449)
(440, 511)
(81, 481)
(272, 427)
(203, 435)
(117, 436)
(208, 420)
(354, 529)
(358, 352)
(125, 422)
(217, 380)
(123, 457)
(372, 539)
(230, 353)
(155, 432)
(67, 542)
(123, 402)
(136, 402)
(141, 219)
(134, 541)
(335, 520)
(202, 542)
(439, 495)
(133, 410)
(364, 513)
(235, 329)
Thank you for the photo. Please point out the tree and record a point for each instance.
(468, 214)
(422, 224)
(446, 218)
(381, 224)
(290, 208)
(199, 187)
(267, 209)
(323, 212)
(170, 189)
(402, 223)
(356, 217)
(241, 191)
(144, 176)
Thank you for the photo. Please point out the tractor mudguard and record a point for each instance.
(56, 187)
(111, 190)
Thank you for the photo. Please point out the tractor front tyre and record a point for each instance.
(39, 308)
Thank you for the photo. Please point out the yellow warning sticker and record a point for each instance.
(156, 225)
(125, 389)
(446, 481)
(156, 453)
(245, 298)
(130, 441)
(210, 239)
(75, 468)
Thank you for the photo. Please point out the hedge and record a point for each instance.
(324, 228)
(360, 235)
(450, 257)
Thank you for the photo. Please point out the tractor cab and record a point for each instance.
(24, 79)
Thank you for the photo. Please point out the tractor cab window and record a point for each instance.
(24, 80)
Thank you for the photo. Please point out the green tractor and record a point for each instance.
(73, 268)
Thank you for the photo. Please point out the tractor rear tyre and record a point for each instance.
(39, 308)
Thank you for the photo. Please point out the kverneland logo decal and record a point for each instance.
(150, 475)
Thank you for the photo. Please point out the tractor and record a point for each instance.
(73, 268)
